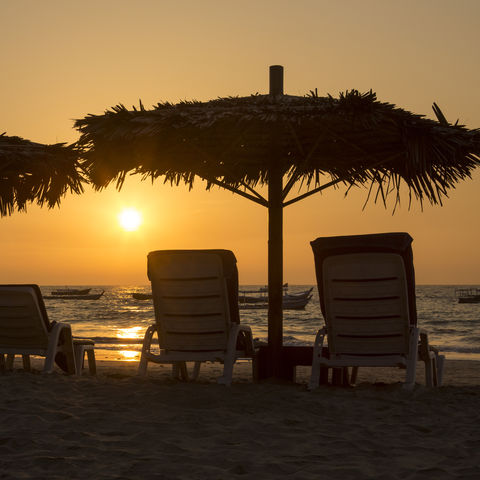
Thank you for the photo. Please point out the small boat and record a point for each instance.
(262, 290)
(71, 291)
(291, 301)
(468, 295)
(91, 296)
(294, 301)
(248, 299)
(142, 296)
(288, 304)
(261, 296)
(297, 296)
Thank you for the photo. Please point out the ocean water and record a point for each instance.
(117, 322)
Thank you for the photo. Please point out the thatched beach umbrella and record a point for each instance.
(281, 141)
(34, 172)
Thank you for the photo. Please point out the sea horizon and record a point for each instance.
(56, 285)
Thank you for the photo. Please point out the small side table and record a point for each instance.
(80, 346)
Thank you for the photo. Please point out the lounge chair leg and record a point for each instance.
(440, 365)
(69, 352)
(79, 358)
(92, 364)
(196, 370)
(179, 371)
(412, 359)
(323, 378)
(435, 370)
(26, 362)
(226, 378)
(429, 368)
(353, 378)
(10, 360)
(337, 376)
(184, 371)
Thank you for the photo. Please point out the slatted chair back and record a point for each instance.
(191, 301)
(366, 304)
(23, 319)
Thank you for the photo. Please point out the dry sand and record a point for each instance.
(118, 425)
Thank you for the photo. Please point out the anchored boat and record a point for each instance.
(142, 296)
(257, 299)
(468, 295)
(71, 291)
(296, 301)
(70, 296)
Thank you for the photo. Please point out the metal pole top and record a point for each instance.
(276, 80)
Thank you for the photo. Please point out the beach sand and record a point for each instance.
(117, 425)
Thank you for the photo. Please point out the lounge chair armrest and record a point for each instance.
(147, 339)
(60, 332)
(317, 359)
(235, 331)
(249, 346)
(56, 331)
(320, 335)
(424, 348)
(147, 342)
(422, 334)
(424, 340)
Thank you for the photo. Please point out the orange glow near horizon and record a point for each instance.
(221, 52)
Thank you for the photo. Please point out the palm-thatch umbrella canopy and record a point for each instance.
(280, 141)
(34, 172)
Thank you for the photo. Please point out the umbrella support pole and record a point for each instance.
(275, 271)
(272, 362)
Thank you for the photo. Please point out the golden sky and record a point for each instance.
(64, 59)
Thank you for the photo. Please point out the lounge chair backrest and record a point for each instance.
(190, 297)
(365, 294)
(23, 320)
(366, 304)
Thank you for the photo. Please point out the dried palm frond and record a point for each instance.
(32, 172)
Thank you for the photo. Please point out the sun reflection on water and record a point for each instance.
(130, 332)
(129, 355)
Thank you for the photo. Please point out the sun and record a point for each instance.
(130, 219)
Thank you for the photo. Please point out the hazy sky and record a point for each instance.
(63, 59)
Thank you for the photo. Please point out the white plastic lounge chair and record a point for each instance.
(26, 330)
(195, 296)
(366, 286)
